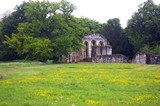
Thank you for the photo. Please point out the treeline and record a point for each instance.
(143, 29)
(43, 30)
(47, 30)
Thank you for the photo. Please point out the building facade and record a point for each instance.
(96, 44)
(145, 58)
(96, 49)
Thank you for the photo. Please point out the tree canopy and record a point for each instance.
(143, 29)
(41, 30)
(48, 25)
(9, 25)
(116, 36)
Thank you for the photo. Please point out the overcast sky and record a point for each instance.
(99, 10)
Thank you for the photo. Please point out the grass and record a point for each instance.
(93, 84)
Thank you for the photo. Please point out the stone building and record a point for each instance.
(145, 58)
(96, 44)
(96, 49)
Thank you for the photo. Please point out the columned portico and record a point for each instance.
(94, 45)
(97, 41)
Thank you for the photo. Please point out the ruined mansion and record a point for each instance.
(98, 49)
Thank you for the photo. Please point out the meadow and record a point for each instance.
(82, 84)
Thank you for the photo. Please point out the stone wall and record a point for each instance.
(139, 58)
(74, 57)
(98, 49)
(115, 58)
(101, 50)
(144, 58)
(154, 59)
(94, 44)
(97, 40)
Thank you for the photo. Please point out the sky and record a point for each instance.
(98, 10)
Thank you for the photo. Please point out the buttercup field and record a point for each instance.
(93, 84)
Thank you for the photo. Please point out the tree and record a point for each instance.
(0, 32)
(10, 22)
(51, 22)
(9, 25)
(32, 37)
(66, 7)
(34, 48)
(143, 28)
(91, 26)
(119, 42)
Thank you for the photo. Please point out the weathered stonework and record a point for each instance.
(144, 58)
(115, 58)
(96, 49)
(103, 47)
(102, 44)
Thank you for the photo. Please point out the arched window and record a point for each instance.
(86, 49)
(101, 43)
(101, 47)
(93, 43)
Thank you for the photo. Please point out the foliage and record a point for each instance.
(143, 27)
(34, 48)
(32, 83)
(5, 52)
(10, 22)
(156, 49)
(8, 26)
(66, 7)
(152, 50)
(39, 49)
(116, 36)
(67, 35)
(52, 21)
(91, 25)
(1, 33)
(146, 49)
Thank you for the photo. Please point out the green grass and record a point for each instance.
(92, 84)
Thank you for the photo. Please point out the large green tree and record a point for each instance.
(116, 36)
(51, 22)
(10, 22)
(91, 26)
(8, 26)
(33, 48)
(143, 29)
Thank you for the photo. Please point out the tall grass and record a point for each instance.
(94, 84)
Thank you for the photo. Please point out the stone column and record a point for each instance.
(89, 49)
(75, 57)
(97, 50)
(97, 43)
(104, 51)
(109, 51)
(70, 58)
(82, 54)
